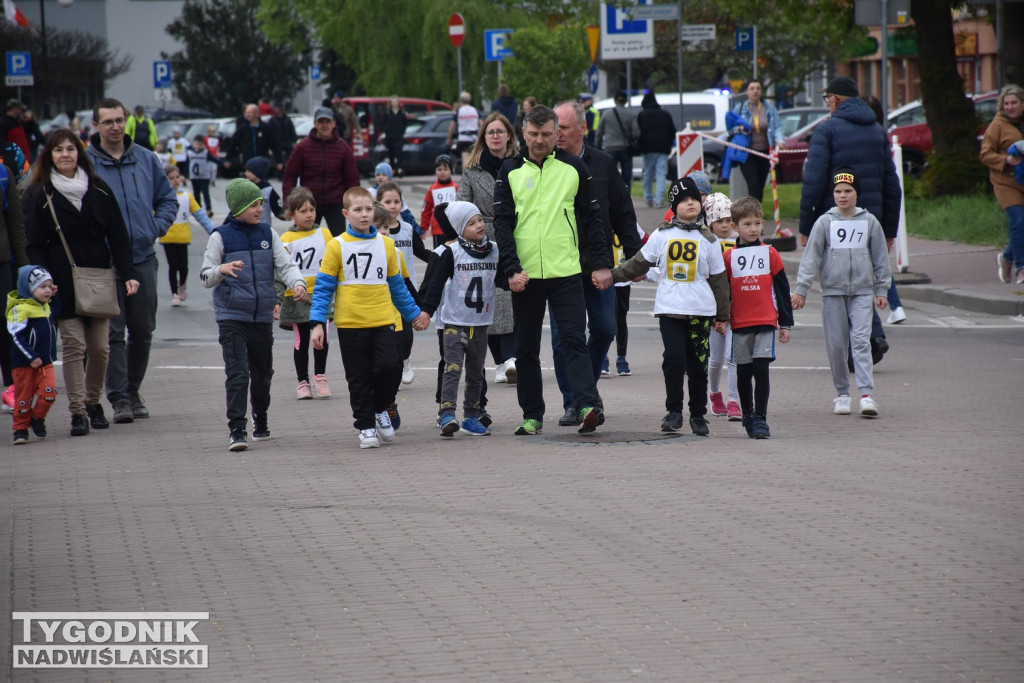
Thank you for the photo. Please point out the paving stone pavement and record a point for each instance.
(843, 549)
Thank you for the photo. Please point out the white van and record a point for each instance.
(704, 111)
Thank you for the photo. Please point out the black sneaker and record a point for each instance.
(20, 437)
(139, 409)
(748, 424)
(123, 412)
(79, 424)
(96, 417)
(260, 428)
(699, 426)
(485, 419)
(39, 427)
(569, 419)
(672, 422)
(237, 441)
(760, 430)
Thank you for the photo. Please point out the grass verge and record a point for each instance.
(976, 219)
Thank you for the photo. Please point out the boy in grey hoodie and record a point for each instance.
(847, 250)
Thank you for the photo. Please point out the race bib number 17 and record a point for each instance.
(848, 234)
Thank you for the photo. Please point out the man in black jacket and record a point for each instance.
(252, 138)
(618, 219)
(657, 135)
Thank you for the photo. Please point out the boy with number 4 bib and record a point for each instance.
(760, 303)
(847, 250)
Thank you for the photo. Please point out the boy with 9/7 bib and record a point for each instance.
(847, 251)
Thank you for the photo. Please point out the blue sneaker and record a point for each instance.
(604, 367)
(396, 419)
(448, 424)
(622, 367)
(474, 426)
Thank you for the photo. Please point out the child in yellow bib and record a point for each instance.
(179, 235)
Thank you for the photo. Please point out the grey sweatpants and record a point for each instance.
(463, 346)
(847, 321)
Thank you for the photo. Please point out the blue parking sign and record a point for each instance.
(19, 64)
(162, 75)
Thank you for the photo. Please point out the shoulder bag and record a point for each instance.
(633, 145)
(95, 288)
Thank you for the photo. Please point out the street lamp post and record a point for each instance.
(44, 106)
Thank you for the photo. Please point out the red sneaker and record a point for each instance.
(717, 404)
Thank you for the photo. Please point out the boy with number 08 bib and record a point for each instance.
(361, 269)
(462, 285)
(760, 303)
(847, 250)
(692, 296)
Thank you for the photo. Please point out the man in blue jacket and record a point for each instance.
(149, 206)
(852, 137)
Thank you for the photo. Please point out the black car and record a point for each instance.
(425, 138)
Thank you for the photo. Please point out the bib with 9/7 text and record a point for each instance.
(751, 261)
(681, 260)
(848, 235)
(365, 262)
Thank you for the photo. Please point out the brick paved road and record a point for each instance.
(841, 549)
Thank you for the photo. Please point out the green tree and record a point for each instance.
(549, 63)
(397, 46)
(953, 165)
(227, 60)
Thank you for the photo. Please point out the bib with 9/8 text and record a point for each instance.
(848, 235)
(681, 260)
(751, 261)
(364, 261)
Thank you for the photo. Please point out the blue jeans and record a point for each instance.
(624, 160)
(893, 295)
(655, 169)
(1015, 216)
(601, 323)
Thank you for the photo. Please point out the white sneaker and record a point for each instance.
(499, 374)
(384, 429)
(896, 316)
(868, 407)
(510, 371)
(175, 300)
(841, 405)
(407, 371)
(368, 439)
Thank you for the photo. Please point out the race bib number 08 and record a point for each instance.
(681, 260)
(848, 234)
(751, 261)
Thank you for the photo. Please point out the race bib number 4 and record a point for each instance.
(681, 260)
(848, 234)
(751, 261)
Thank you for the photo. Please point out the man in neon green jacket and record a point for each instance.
(541, 198)
(141, 129)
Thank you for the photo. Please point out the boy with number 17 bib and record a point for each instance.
(847, 251)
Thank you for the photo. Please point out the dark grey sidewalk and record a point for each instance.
(843, 549)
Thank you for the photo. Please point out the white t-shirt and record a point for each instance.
(467, 122)
(685, 259)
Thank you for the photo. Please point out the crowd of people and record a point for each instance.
(541, 230)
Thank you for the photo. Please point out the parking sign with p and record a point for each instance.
(19, 69)
(162, 75)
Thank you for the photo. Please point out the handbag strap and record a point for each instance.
(60, 233)
(625, 133)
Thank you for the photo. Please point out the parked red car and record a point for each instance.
(370, 110)
(908, 125)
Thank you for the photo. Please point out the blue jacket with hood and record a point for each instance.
(32, 331)
(147, 201)
(851, 137)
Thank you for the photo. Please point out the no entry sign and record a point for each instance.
(456, 29)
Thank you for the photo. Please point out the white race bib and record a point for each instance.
(307, 253)
(848, 234)
(365, 262)
(751, 261)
